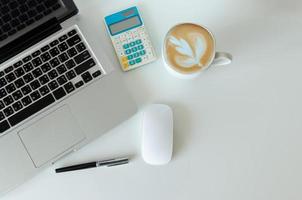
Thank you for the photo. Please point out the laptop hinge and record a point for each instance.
(28, 39)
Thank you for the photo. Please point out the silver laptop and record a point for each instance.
(55, 94)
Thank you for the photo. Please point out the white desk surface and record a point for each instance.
(237, 128)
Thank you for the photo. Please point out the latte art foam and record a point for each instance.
(189, 48)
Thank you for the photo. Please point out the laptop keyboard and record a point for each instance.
(15, 15)
(44, 77)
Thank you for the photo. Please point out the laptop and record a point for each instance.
(55, 94)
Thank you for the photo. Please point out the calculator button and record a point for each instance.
(124, 59)
(128, 51)
(126, 46)
(132, 62)
(134, 49)
(138, 60)
(125, 65)
(136, 55)
(138, 41)
(140, 47)
(132, 44)
(143, 52)
(130, 57)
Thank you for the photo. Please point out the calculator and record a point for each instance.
(130, 39)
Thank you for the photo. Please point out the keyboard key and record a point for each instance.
(26, 59)
(53, 85)
(69, 87)
(132, 44)
(3, 93)
(63, 46)
(54, 51)
(72, 52)
(53, 74)
(10, 77)
(35, 95)
(17, 95)
(4, 126)
(45, 48)
(31, 110)
(61, 69)
(3, 82)
(1, 105)
(71, 33)
(54, 62)
(8, 100)
(19, 83)
(80, 47)
(17, 106)
(18, 64)
(37, 72)
(28, 67)
(2, 116)
(70, 64)
(26, 101)
(8, 69)
(10, 88)
(45, 57)
(84, 66)
(44, 79)
(28, 77)
(36, 53)
(63, 57)
(71, 74)
(36, 62)
(86, 77)
(1, 73)
(45, 67)
(96, 74)
(54, 43)
(74, 40)
(44, 90)
(19, 72)
(26, 90)
(35, 84)
(83, 56)
(79, 84)
(62, 38)
(59, 93)
(62, 80)
(8, 111)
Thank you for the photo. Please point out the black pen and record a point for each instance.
(108, 163)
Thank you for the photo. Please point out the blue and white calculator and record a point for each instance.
(130, 38)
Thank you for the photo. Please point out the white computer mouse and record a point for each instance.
(157, 138)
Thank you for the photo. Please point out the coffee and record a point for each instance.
(189, 48)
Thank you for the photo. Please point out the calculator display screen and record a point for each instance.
(125, 25)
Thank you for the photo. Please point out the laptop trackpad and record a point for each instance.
(51, 136)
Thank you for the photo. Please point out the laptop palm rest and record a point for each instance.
(51, 136)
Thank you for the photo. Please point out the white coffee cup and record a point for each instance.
(216, 58)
